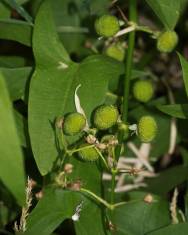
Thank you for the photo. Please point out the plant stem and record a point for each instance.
(129, 59)
(128, 70)
(97, 198)
(70, 152)
(113, 181)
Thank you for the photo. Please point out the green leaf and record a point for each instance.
(10, 151)
(16, 81)
(15, 5)
(20, 126)
(184, 65)
(4, 11)
(16, 30)
(170, 178)
(53, 85)
(168, 11)
(175, 229)
(175, 110)
(139, 217)
(12, 61)
(58, 205)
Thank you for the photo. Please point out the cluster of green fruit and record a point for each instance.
(104, 118)
(108, 26)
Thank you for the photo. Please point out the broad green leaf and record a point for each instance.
(168, 11)
(138, 217)
(16, 30)
(175, 110)
(53, 85)
(174, 229)
(184, 65)
(58, 205)
(15, 5)
(11, 167)
(16, 81)
(170, 178)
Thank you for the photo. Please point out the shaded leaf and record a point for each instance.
(170, 178)
(175, 110)
(16, 30)
(10, 151)
(139, 217)
(184, 65)
(16, 80)
(168, 11)
(175, 229)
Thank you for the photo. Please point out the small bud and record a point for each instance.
(88, 154)
(61, 179)
(107, 26)
(115, 51)
(68, 168)
(147, 129)
(74, 123)
(143, 90)
(75, 186)
(91, 139)
(105, 116)
(59, 122)
(167, 41)
(101, 146)
(39, 195)
(148, 198)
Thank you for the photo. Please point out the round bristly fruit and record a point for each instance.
(88, 154)
(147, 129)
(143, 90)
(107, 25)
(167, 41)
(105, 117)
(116, 51)
(73, 123)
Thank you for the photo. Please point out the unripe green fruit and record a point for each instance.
(143, 90)
(107, 26)
(74, 123)
(116, 51)
(167, 41)
(105, 116)
(147, 129)
(88, 154)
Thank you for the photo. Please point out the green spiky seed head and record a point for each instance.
(88, 154)
(107, 25)
(105, 117)
(147, 129)
(116, 51)
(73, 123)
(167, 41)
(143, 90)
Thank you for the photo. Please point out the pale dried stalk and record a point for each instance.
(173, 207)
(25, 210)
(128, 187)
(140, 156)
